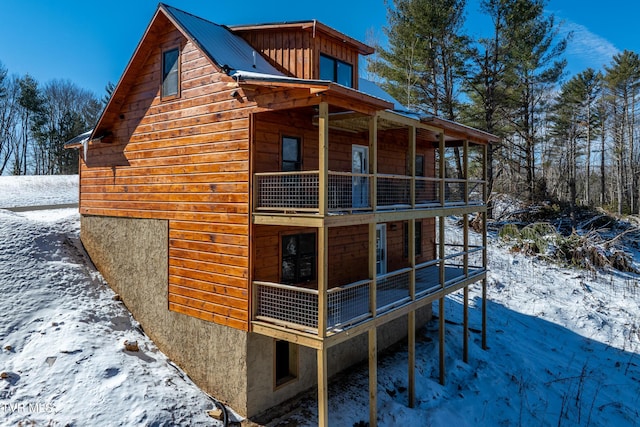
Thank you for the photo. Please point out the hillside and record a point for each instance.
(564, 344)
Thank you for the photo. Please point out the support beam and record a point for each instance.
(441, 332)
(412, 164)
(412, 358)
(443, 173)
(465, 314)
(323, 389)
(373, 161)
(372, 270)
(323, 274)
(484, 314)
(373, 378)
(323, 157)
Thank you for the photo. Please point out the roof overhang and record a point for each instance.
(312, 26)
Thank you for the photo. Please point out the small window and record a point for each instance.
(286, 362)
(291, 154)
(170, 73)
(298, 258)
(419, 165)
(336, 71)
(418, 239)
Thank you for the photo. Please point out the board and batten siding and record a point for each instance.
(184, 160)
(296, 52)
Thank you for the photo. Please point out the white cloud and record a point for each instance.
(587, 46)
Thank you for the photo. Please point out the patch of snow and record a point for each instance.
(33, 190)
(564, 346)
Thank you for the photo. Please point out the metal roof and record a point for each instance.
(227, 50)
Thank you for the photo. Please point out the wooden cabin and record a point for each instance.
(268, 217)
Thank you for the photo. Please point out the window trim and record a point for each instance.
(335, 62)
(163, 76)
(314, 265)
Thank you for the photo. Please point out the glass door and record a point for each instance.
(360, 184)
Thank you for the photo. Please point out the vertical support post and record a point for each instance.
(412, 358)
(373, 378)
(323, 274)
(441, 330)
(373, 161)
(443, 173)
(372, 269)
(323, 389)
(485, 199)
(465, 166)
(465, 314)
(323, 157)
(412, 164)
(411, 321)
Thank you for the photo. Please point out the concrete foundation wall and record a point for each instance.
(132, 255)
(235, 366)
(261, 393)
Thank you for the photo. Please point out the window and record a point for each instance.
(170, 73)
(298, 258)
(419, 165)
(286, 362)
(336, 71)
(291, 154)
(418, 239)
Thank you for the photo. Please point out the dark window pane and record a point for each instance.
(419, 165)
(306, 269)
(291, 159)
(327, 68)
(345, 74)
(289, 245)
(307, 244)
(170, 72)
(288, 271)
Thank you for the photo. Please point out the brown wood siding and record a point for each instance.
(288, 50)
(348, 251)
(186, 161)
(296, 52)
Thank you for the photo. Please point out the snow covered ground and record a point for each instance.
(564, 345)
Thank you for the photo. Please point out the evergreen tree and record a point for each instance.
(423, 65)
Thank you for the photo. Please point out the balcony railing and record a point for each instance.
(349, 192)
(297, 307)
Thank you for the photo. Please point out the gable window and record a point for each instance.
(418, 239)
(170, 73)
(336, 71)
(298, 258)
(291, 154)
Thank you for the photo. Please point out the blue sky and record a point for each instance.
(90, 42)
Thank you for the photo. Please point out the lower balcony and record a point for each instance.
(351, 192)
(297, 307)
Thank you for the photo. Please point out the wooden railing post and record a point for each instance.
(373, 161)
(323, 157)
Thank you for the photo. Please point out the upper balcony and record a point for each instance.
(295, 192)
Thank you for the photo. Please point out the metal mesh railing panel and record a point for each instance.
(348, 191)
(394, 190)
(287, 304)
(392, 289)
(454, 191)
(287, 190)
(348, 305)
(427, 191)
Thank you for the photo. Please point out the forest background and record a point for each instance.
(565, 139)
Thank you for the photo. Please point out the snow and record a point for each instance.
(563, 344)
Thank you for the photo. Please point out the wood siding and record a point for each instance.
(296, 52)
(348, 251)
(186, 161)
